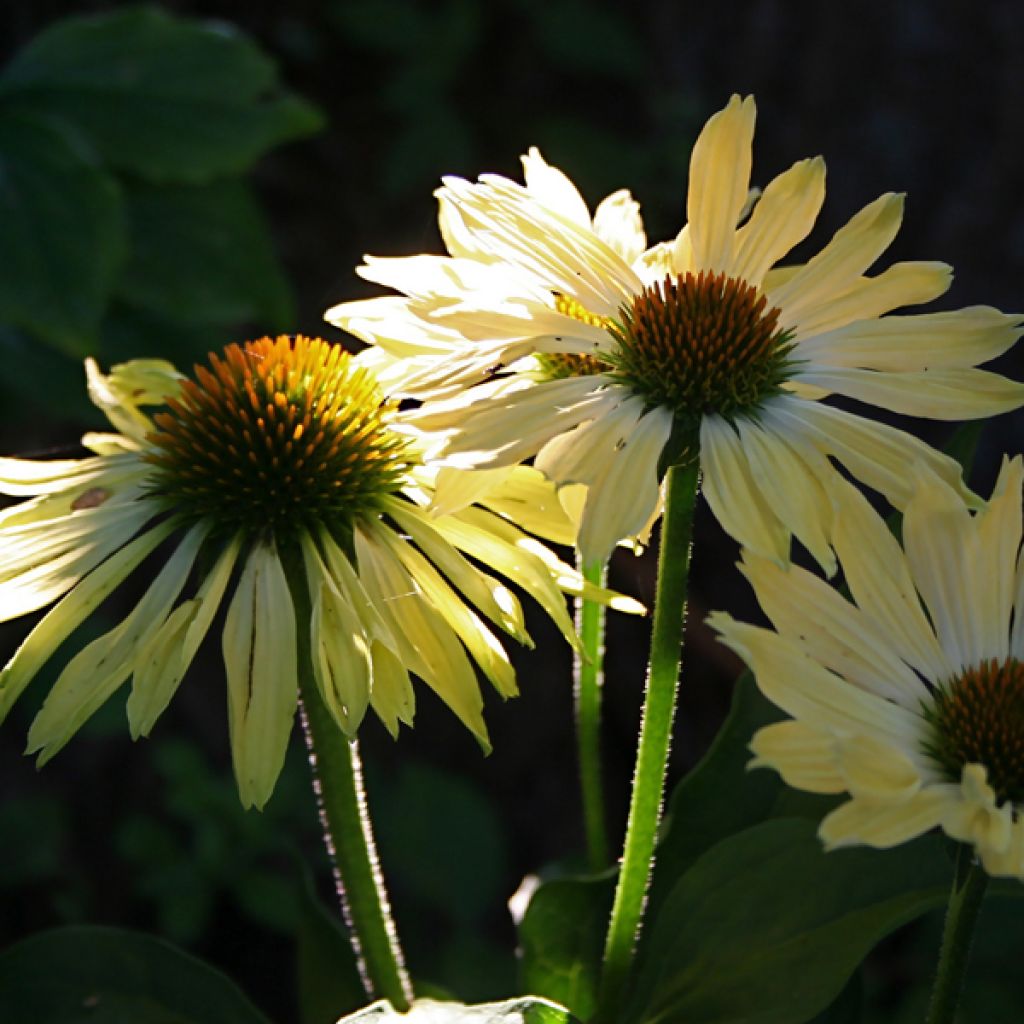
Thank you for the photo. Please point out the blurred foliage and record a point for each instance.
(123, 141)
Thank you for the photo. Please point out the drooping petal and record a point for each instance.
(427, 643)
(876, 770)
(550, 186)
(164, 659)
(261, 661)
(64, 618)
(92, 675)
(733, 494)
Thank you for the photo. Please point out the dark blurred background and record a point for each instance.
(912, 96)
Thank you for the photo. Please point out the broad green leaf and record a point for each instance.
(89, 975)
(561, 937)
(525, 1010)
(202, 254)
(62, 230)
(329, 982)
(767, 928)
(159, 96)
(720, 797)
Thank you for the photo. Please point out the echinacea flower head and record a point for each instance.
(554, 334)
(275, 477)
(909, 699)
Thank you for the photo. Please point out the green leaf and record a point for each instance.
(767, 928)
(561, 937)
(62, 229)
(329, 982)
(159, 96)
(525, 1010)
(202, 254)
(91, 975)
(720, 797)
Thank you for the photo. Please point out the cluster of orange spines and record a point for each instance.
(274, 435)
(978, 718)
(700, 344)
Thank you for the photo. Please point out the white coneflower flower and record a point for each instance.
(625, 358)
(911, 699)
(278, 453)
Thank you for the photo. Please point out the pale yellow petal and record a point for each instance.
(732, 492)
(455, 489)
(876, 571)
(618, 223)
(833, 632)
(812, 694)
(927, 341)
(884, 825)
(95, 672)
(792, 484)
(65, 617)
(803, 756)
(875, 453)
(631, 470)
(853, 249)
(261, 662)
(941, 540)
(902, 284)
(940, 394)
(877, 771)
(719, 182)
(165, 658)
(782, 217)
(550, 186)
(975, 818)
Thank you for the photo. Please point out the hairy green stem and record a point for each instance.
(681, 486)
(589, 680)
(961, 915)
(345, 819)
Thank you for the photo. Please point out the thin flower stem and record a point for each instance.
(681, 486)
(348, 834)
(589, 683)
(961, 915)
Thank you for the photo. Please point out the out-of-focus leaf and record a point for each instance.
(202, 254)
(109, 976)
(766, 927)
(61, 230)
(329, 982)
(33, 830)
(526, 1010)
(561, 937)
(446, 844)
(159, 96)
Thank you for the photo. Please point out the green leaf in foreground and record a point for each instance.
(525, 1010)
(62, 230)
(160, 96)
(88, 975)
(720, 797)
(767, 928)
(561, 937)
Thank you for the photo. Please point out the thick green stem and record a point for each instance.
(589, 678)
(655, 737)
(348, 835)
(961, 914)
